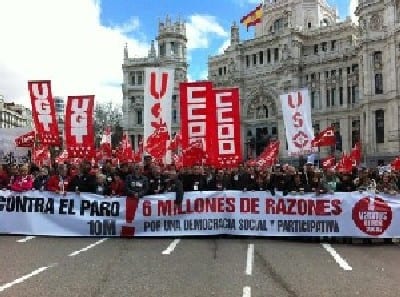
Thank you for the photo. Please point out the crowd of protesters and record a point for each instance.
(139, 179)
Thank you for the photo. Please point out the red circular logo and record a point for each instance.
(372, 215)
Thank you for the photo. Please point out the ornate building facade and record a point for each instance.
(171, 53)
(350, 70)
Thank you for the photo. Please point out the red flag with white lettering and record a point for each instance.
(227, 149)
(356, 153)
(125, 152)
(325, 138)
(105, 144)
(328, 162)
(79, 127)
(345, 164)
(26, 140)
(159, 86)
(44, 112)
(198, 118)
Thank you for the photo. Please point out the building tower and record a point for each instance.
(169, 51)
(379, 76)
(235, 37)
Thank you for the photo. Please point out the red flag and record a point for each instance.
(345, 165)
(41, 154)
(356, 153)
(105, 144)
(79, 127)
(62, 157)
(26, 140)
(44, 111)
(328, 162)
(125, 151)
(325, 138)
(395, 164)
(270, 154)
(194, 154)
(175, 143)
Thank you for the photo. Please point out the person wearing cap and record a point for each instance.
(136, 184)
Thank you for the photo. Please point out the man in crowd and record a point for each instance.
(83, 181)
(136, 184)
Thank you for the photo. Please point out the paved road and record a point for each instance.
(223, 267)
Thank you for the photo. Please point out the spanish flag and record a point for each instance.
(253, 17)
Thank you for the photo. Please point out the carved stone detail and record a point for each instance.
(375, 22)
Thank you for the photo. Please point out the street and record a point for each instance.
(189, 266)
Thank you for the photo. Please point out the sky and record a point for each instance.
(78, 44)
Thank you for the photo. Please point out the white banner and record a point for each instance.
(296, 110)
(159, 86)
(202, 213)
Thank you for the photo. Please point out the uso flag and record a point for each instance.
(296, 109)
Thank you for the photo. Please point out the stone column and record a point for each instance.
(389, 67)
(322, 93)
(282, 138)
(345, 132)
(345, 85)
(372, 135)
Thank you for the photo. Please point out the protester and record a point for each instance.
(136, 184)
(59, 181)
(23, 181)
(386, 185)
(174, 184)
(156, 181)
(40, 181)
(4, 179)
(84, 181)
(117, 187)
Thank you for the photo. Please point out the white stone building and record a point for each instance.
(14, 115)
(351, 72)
(171, 52)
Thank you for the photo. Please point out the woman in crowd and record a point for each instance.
(23, 181)
(59, 181)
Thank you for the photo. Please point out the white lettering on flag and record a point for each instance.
(79, 119)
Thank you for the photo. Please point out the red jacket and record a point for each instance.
(21, 184)
(54, 183)
(118, 187)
